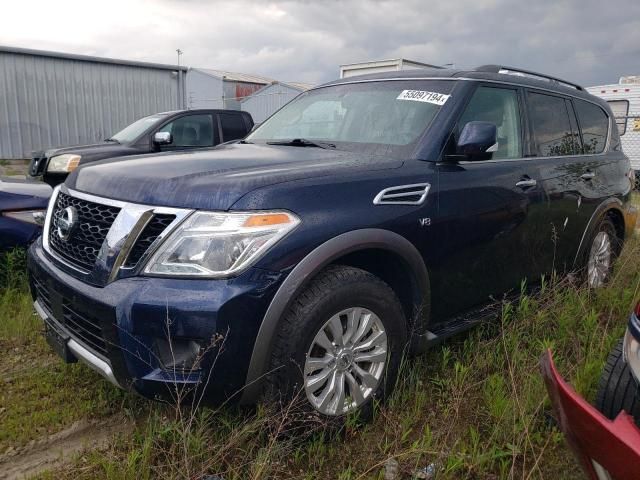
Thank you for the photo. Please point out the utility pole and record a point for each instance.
(179, 52)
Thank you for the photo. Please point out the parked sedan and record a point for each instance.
(22, 210)
(168, 131)
(605, 438)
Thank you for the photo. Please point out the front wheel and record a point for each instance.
(340, 344)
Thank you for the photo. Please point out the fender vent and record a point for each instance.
(403, 195)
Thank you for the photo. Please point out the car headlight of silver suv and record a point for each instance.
(218, 245)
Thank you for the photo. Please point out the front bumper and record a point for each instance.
(116, 329)
(78, 350)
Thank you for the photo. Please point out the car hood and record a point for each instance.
(23, 195)
(214, 179)
(85, 150)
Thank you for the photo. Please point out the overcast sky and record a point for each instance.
(587, 41)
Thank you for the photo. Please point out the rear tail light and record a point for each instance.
(636, 311)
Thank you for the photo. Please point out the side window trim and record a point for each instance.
(573, 119)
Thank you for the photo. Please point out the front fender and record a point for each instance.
(307, 268)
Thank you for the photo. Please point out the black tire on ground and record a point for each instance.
(605, 225)
(618, 389)
(335, 289)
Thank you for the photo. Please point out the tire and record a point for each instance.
(618, 389)
(336, 290)
(598, 265)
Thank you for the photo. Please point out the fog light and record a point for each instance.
(179, 355)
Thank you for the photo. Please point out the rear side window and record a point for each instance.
(500, 107)
(233, 126)
(594, 124)
(620, 109)
(551, 125)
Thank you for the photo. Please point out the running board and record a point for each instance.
(455, 325)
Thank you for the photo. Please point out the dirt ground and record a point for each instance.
(59, 448)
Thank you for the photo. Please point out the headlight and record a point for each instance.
(63, 163)
(219, 244)
(29, 216)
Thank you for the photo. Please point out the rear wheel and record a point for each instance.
(603, 250)
(618, 389)
(339, 346)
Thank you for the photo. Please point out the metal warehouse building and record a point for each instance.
(270, 98)
(49, 99)
(208, 88)
(378, 66)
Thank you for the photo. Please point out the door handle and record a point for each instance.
(588, 176)
(528, 182)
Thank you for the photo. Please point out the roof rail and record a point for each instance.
(526, 73)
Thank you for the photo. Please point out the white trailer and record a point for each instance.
(624, 100)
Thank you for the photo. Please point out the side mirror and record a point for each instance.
(477, 141)
(162, 138)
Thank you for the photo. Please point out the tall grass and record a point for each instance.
(475, 407)
(18, 323)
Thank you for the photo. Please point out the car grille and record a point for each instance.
(42, 293)
(149, 234)
(84, 327)
(95, 220)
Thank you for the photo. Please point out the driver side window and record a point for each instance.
(191, 131)
(500, 107)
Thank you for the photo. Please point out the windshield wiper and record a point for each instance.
(302, 142)
(111, 140)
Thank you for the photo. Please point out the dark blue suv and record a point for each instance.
(368, 217)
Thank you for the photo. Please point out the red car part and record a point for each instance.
(615, 445)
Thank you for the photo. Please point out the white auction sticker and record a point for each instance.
(422, 96)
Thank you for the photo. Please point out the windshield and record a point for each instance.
(137, 128)
(386, 117)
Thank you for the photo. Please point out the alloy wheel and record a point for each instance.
(346, 361)
(600, 259)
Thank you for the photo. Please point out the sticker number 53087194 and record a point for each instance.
(422, 96)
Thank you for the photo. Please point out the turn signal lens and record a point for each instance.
(267, 219)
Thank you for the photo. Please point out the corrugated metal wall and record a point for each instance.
(263, 103)
(203, 90)
(48, 101)
(235, 92)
